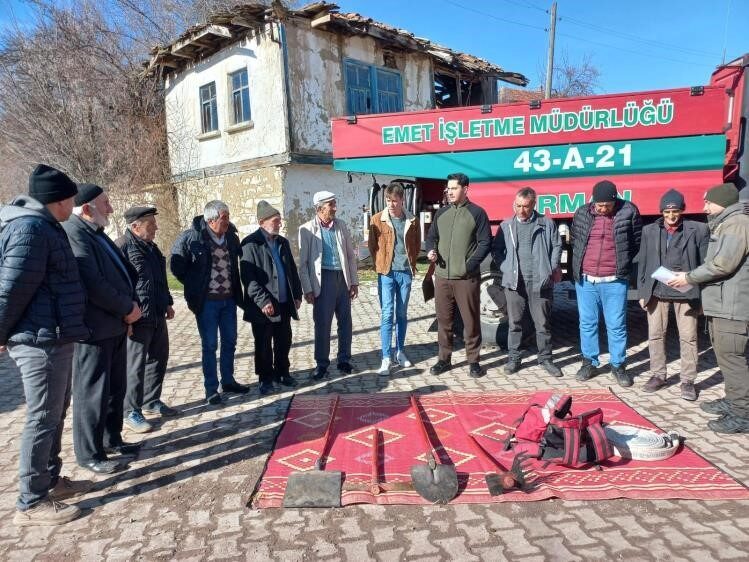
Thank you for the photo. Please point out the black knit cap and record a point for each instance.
(604, 192)
(87, 192)
(672, 199)
(48, 185)
(724, 195)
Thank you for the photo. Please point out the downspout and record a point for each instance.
(286, 85)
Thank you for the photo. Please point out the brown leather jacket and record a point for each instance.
(382, 241)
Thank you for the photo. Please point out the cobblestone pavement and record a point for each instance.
(185, 495)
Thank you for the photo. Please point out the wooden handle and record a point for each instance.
(422, 427)
(326, 435)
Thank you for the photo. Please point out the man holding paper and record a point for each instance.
(670, 245)
(724, 280)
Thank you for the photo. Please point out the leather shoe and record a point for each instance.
(266, 388)
(235, 387)
(123, 449)
(440, 367)
(655, 383)
(586, 372)
(621, 376)
(344, 367)
(475, 371)
(102, 467)
(287, 380)
(319, 374)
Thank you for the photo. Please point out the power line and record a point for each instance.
(492, 16)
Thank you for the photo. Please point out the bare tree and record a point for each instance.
(573, 78)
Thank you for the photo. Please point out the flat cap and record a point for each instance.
(136, 213)
(322, 197)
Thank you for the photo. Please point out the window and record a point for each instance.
(371, 89)
(208, 108)
(240, 96)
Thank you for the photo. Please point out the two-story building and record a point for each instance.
(249, 97)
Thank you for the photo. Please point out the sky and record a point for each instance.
(636, 44)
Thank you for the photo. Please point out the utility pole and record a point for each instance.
(550, 61)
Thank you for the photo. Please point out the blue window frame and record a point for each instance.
(240, 96)
(208, 108)
(372, 89)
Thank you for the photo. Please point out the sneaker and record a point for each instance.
(688, 392)
(158, 408)
(214, 399)
(384, 367)
(440, 367)
(402, 360)
(552, 369)
(46, 513)
(621, 376)
(137, 423)
(511, 367)
(67, 488)
(729, 423)
(475, 371)
(586, 372)
(266, 388)
(235, 388)
(716, 407)
(654, 384)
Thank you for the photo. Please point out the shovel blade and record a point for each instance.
(313, 489)
(438, 484)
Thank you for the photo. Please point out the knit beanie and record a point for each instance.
(49, 185)
(87, 192)
(672, 199)
(265, 211)
(604, 192)
(724, 195)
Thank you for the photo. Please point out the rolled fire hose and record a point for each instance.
(642, 444)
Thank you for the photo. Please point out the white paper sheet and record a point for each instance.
(665, 275)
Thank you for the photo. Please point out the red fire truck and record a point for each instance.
(645, 142)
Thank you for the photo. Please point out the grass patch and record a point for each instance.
(173, 282)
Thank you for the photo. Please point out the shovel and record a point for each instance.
(433, 481)
(317, 487)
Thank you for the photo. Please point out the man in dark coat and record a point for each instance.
(205, 259)
(148, 344)
(41, 315)
(100, 363)
(605, 241)
(677, 245)
(273, 294)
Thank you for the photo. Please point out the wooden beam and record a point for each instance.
(216, 30)
(320, 20)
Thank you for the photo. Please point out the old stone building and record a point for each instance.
(249, 97)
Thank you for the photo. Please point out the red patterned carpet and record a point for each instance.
(686, 475)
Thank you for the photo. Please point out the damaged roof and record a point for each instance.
(226, 27)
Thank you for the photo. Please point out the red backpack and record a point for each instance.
(548, 430)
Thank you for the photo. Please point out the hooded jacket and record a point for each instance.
(42, 299)
(724, 276)
(191, 263)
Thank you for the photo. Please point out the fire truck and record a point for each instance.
(645, 142)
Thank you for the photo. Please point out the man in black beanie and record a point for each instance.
(677, 245)
(605, 240)
(100, 363)
(724, 282)
(41, 314)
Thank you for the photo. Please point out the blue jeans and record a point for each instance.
(218, 317)
(611, 297)
(46, 377)
(394, 290)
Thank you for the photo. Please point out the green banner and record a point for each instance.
(589, 159)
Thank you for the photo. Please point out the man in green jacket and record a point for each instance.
(458, 241)
(724, 281)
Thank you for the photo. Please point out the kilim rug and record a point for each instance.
(488, 416)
